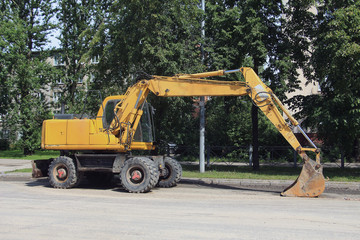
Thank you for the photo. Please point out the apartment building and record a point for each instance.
(55, 91)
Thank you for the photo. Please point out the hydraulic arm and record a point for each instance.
(128, 113)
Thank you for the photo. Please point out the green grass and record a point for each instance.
(18, 154)
(25, 170)
(268, 173)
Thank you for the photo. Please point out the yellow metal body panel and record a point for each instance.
(176, 87)
(55, 132)
(96, 136)
(78, 132)
(83, 134)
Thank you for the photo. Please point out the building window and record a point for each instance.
(57, 97)
(4, 134)
(92, 77)
(39, 95)
(95, 59)
(58, 61)
(81, 78)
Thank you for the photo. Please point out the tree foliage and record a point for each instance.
(78, 22)
(163, 38)
(334, 62)
(159, 38)
(249, 33)
(24, 26)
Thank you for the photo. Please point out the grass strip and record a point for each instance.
(24, 170)
(18, 154)
(268, 173)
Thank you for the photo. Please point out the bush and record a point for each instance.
(4, 144)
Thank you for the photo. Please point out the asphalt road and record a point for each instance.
(30, 209)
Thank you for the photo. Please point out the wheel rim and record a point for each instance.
(61, 173)
(135, 175)
(166, 172)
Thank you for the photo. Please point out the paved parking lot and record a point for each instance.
(30, 209)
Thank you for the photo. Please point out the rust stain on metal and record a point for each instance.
(310, 183)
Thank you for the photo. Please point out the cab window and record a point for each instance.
(109, 114)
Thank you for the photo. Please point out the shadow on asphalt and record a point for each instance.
(223, 186)
(39, 182)
(116, 186)
(84, 184)
(344, 194)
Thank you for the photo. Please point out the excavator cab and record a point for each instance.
(108, 114)
(145, 130)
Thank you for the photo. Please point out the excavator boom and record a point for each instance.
(310, 182)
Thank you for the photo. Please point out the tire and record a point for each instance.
(139, 175)
(80, 176)
(171, 175)
(63, 173)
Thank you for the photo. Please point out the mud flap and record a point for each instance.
(310, 183)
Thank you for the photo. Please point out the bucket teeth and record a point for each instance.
(310, 183)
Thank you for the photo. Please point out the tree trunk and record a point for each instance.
(356, 150)
(255, 137)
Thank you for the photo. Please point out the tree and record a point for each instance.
(24, 27)
(251, 33)
(336, 112)
(78, 23)
(158, 38)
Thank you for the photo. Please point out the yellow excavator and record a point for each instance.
(101, 147)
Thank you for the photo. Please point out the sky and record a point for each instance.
(54, 42)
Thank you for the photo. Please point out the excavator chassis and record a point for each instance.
(310, 183)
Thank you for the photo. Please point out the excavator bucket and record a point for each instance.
(310, 183)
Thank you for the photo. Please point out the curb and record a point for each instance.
(248, 183)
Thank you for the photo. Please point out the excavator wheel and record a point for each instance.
(139, 175)
(63, 173)
(310, 183)
(171, 174)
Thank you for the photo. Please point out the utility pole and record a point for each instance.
(202, 101)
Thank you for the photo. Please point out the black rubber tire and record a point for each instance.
(172, 175)
(100, 178)
(67, 166)
(80, 176)
(146, 171)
